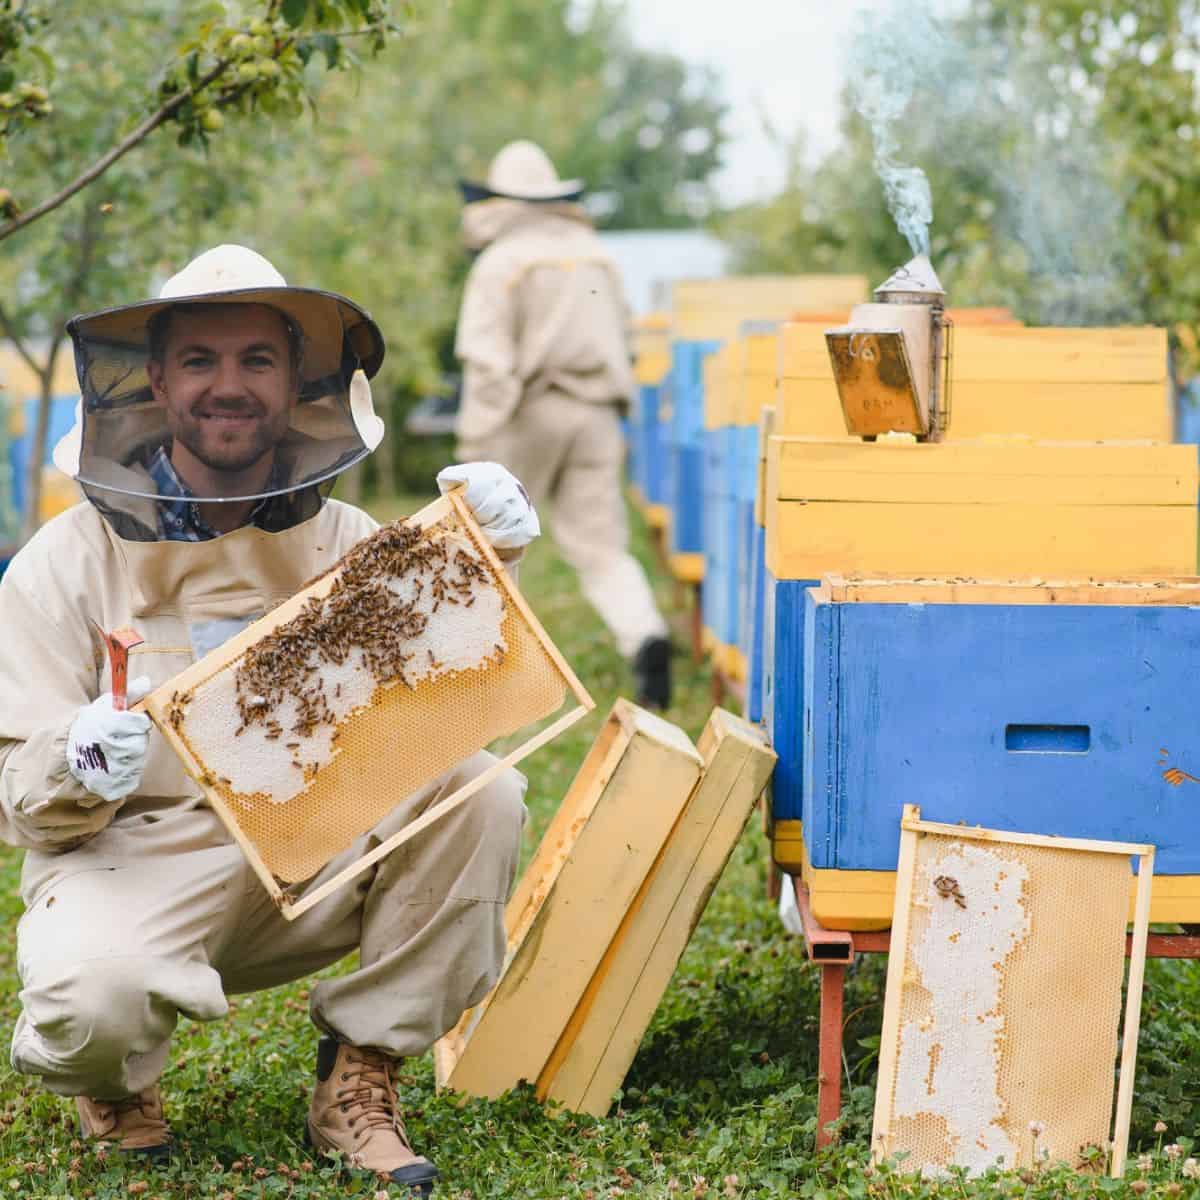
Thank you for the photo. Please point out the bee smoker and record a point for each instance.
(892, 361)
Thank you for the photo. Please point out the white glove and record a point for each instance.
(501, 505)
(106, 749)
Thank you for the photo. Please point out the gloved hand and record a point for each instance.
(106, 749)
(501, 505)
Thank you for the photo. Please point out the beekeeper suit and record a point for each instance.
(542, 336)
(213, 422)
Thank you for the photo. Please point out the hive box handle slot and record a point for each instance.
(1048, 739)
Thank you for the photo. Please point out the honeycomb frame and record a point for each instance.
(537, 671)
(973, 1067)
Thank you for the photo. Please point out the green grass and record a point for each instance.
(720, 1101)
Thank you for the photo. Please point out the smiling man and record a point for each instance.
(228, 379)
(213, 423)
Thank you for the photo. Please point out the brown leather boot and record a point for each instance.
(135, 1125)
(354, 1110)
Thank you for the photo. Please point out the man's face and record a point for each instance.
(228, 383)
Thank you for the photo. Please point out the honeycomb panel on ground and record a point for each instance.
(1009, 1005)
(313, 733)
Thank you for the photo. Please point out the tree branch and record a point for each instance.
(132, 139)
(9, 329)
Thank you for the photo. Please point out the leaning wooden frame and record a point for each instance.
(1003, 998)
(304, 738)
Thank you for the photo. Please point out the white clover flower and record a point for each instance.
(1144, 1163)
(1173, 1151)
(1191, 1168)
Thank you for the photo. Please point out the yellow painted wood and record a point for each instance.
(1133, 591)
(596, 1049)
(1116, 411)
(810, 408)
(658, 516)
(761, 353)
(1109, 384)
(1020, 354)
(687, 567)
(984, 472)
(708, 641)
(862, 901)
(569, 904)
(766, 430)
(806, 540)
(651, 367)
(716, 308)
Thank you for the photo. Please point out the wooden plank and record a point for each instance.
(805, 541)
(889, 1035)
(810, 408)
(1147, 591)
(990, 472)
(1115, 411)
(587, 871)
(1133, 1012)
(598, 1045)
(911, 820)
(766, 430)
(1019, 354)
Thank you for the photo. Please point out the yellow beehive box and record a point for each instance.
(715, 308)
(1110, 384)
(605, 1031)
(756, 387)
(1012, 507)
(766, 430)
(571, 901)
(652, 348)
(807, 402)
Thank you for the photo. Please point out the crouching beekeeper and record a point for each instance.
(213, 423)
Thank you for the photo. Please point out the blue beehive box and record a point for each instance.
(1059, 709)
(686, 449)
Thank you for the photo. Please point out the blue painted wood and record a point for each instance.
(710, 593)
(783, 689)
(917, 704)
(755, 655)
(686, 498)
(62, 417)
(687, 390)
(654, 467)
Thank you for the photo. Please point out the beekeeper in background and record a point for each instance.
(542, 336)
(213, 423)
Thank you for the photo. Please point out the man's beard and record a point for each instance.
(234, 456)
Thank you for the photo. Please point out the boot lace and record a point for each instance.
(370, 1095)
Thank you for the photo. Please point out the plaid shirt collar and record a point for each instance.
(179, 517)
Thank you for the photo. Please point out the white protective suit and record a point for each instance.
(143, 909)
(543, 341)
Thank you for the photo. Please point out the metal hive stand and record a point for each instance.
(834, 949)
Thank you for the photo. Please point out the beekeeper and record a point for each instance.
(213, 423)
(542, 336)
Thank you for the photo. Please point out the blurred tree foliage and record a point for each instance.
(367, 201)
(104, 66)
(1059, 138)
(362, 198)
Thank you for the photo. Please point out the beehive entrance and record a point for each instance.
(413, 653)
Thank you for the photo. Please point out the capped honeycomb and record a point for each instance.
(413, 653)
(1009, 1007)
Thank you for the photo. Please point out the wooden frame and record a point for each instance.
(158, 703)
(595, 1050)
(569, 907)
(912, 828)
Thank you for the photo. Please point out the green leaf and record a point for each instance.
(294, 11)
